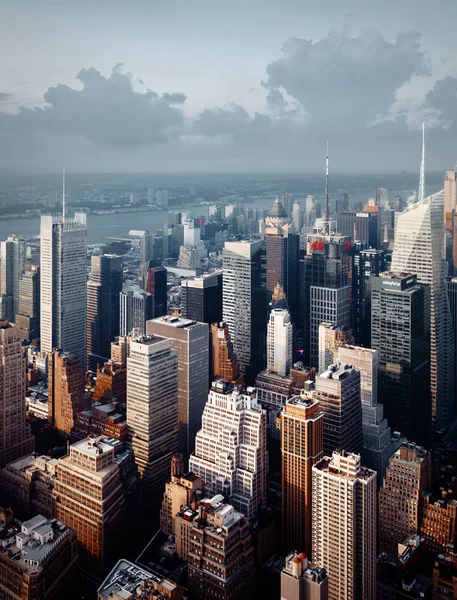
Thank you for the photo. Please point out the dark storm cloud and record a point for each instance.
(442, 99)
(106, 110)
(4, 97)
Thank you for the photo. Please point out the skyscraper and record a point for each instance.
(400, 498)
(28, 317)
(365, 264)
(297, 216)
(400, 332)
(378, 444)
(450, 196)
(189, 340)
(279, 342)
(338, 393)
(152, 414)
(344, 526)
(66, 390)
(230, 448)
(13, 252)
(103, 307)
(135, 308)
(302, 439)
(224, 362)
(331, 338)
(244, 304)
(154, 282)
(63, 284)
(419, 249)
(15, 437)
(282, 244)
(201, 298)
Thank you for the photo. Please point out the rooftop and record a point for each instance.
(177, 322)
(345, 465)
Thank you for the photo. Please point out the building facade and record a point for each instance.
(301, 580)
(13, 254)
(224, 363)
(135, 308)
(201, 298)
(28, 316)
(279, 342)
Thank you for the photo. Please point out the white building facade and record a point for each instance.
(279, 342)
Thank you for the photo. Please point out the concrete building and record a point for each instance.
(419, 248)
(244, 304)
(230, 448)
(28, 316)
(66, 391)
(38, 558)
(128, 581)
(378, 443)
(400, 331)
(279, 342)
(89, 499)
(444, 578)
(344, 526)
(102, 324)
(301, 580)
(438, 521)
(152, 414)
(338, 393)
(216, 541)
(302, 442)
(273, 391)
(189, 340)
(331, 337)
(183, 489)
(13, 254)
(201, 298)
(450, 195)
(400, 497)
(63, 284)
(224, 363)
(135, 308)
(15, 436)
(111, 383)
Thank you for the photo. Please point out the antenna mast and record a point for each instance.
(327, 208)
(63, 193)
(422, 169)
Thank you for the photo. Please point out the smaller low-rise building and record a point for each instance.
(301, 580)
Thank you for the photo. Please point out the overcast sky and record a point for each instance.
(227, 85)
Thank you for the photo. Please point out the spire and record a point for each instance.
(63, 193)
(327, 207)
(422, 169)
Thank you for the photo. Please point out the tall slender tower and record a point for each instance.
(13, 252)
(344, 526)
(63, 284)
(15, 437)
(302, 443)
(279, 342)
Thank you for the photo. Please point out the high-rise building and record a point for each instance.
(302, 439)
(216, 541)
(362, 227)
(400, 497)
(183, 489)
(111, 383)
(344, 526)
(279, 342)
(244, 304)
(38, 558)
(13, 251)
(326, 290)
(135, 309)
(301, 580)
(28, 317)
(89, 499)
(224, 363)
(152, 414)
(400, 332)
(66, 390)
(230, 448)
(201, 298)
(438, 521)
(189, 340)
(365, 264)
(15, 437)
(450, 195)
(103, 307)
(282, 244)
(297, 216)
(378, 443)
(331, 337)
(63, 284)
(154, 281)
(419, 249)
(382, 197)
(338, 393)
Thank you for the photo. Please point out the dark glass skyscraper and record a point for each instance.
(103, 307)
(201, 298)
(400, 331)
(28, 317)
(360, 226)
(154, 281)
(365, 264)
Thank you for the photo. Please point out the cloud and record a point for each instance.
(4, 97)
(442, 99)
(106, 110)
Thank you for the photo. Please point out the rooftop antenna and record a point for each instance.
(422, 169)
(63, 193)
